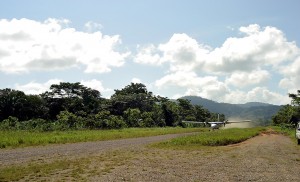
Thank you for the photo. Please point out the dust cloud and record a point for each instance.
(239, 123)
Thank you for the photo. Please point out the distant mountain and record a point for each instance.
(250, 110)
(253, 104)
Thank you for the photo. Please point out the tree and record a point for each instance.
(171, 113)
(132, 117)
(284, 115)
(186, 109)
(201, 113)
(34, 107)
(295, 98)
(71, 97)
(134, 96)
(11, 103)
(296, 104)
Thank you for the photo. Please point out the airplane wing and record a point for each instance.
(216, 122)
(192, 122)
(229, 122)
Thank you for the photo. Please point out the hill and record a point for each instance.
(250, 110)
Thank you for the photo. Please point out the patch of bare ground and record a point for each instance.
(267, 157)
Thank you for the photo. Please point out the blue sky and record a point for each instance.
(228, 51)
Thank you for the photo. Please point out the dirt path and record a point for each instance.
(21, 155)
(268, 157)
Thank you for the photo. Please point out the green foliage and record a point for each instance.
(134, 96)
(20, 138)
(115, 122)
(284, 115)
(9, 123)
(72, 106)
(289, 114)
(132, 117)
(171, 113)
(67, 120)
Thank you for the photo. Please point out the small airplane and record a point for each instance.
(216, 124)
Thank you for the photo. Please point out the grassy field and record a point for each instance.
(78, 169)
(14, 139)
(215, 138)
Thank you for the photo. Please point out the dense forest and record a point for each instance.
(74, 106)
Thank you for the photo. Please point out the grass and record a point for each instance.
(285, 131)
(14, 139)
(78, 169)
(213, 138)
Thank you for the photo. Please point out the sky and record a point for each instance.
(232, 51)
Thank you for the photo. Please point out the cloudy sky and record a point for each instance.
(229, 51)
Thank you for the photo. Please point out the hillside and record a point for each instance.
(251, 110)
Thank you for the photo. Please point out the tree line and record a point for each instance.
(74, 106)
(290, 113)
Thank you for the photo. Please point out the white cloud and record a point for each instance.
(36, 88)
(148, 55)
(136, 80)
(93, 26)
(243, 79)
(39, 88)
(182, 52)
(180, 79)
(27, 45)
(262, 94)
(208, 87)
(291, 81)
(256, 57)
(258, 48)
(257, 94)
(94, 84)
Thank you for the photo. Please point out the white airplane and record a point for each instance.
(216, 124)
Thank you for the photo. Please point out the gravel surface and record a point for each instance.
(21, 155)
(268, 157)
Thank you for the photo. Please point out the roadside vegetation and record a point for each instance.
(288, 116)
(13, 139)
(212, 138)
(72, 106)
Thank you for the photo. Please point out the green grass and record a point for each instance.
(212, 138)
(285, 131)
(79, 169)
(14, 139)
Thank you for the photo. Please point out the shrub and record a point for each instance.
(115, 122)
(66, 120)
(9, 124)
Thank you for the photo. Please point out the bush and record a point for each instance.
(36, 124)
(66, 120)
(115, 122)
(10, 123)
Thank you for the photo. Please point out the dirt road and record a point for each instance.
(268, 157)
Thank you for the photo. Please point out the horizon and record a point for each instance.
(232, 52)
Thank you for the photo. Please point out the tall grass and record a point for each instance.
(13, 139)
(288, 131)
(213, 138)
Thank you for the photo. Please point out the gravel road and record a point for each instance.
(268, 157)
(21, 155)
